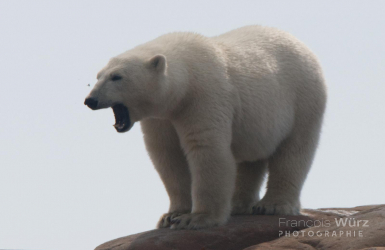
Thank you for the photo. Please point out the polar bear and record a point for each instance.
(217, 114)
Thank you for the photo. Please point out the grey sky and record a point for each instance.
(69, 181)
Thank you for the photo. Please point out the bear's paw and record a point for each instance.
(165, 219)
(196, 221)
(276, 207)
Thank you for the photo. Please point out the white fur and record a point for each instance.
(217, 114)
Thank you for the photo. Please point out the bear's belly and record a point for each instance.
(257, 142)
(252, 148)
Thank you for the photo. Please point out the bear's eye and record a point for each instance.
(116, 77)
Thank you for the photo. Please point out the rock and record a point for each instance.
(240, 232)
(261, 232)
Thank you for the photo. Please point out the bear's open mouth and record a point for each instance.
(122, 118)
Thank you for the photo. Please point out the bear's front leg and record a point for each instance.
(164, 148)
(213, 172)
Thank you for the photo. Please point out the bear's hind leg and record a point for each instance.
(288, 168)
(250, 176)
(163, 146)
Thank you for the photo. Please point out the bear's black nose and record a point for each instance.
(92, 103)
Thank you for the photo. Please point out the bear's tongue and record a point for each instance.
(122, 118)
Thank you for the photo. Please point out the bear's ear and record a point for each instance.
(157, 63)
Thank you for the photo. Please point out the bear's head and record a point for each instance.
(134, 87)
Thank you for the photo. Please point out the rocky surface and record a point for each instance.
(263, 232)
(239, 233)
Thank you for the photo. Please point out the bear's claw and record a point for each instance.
(166, 220)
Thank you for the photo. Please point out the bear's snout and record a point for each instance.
(91, 102)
